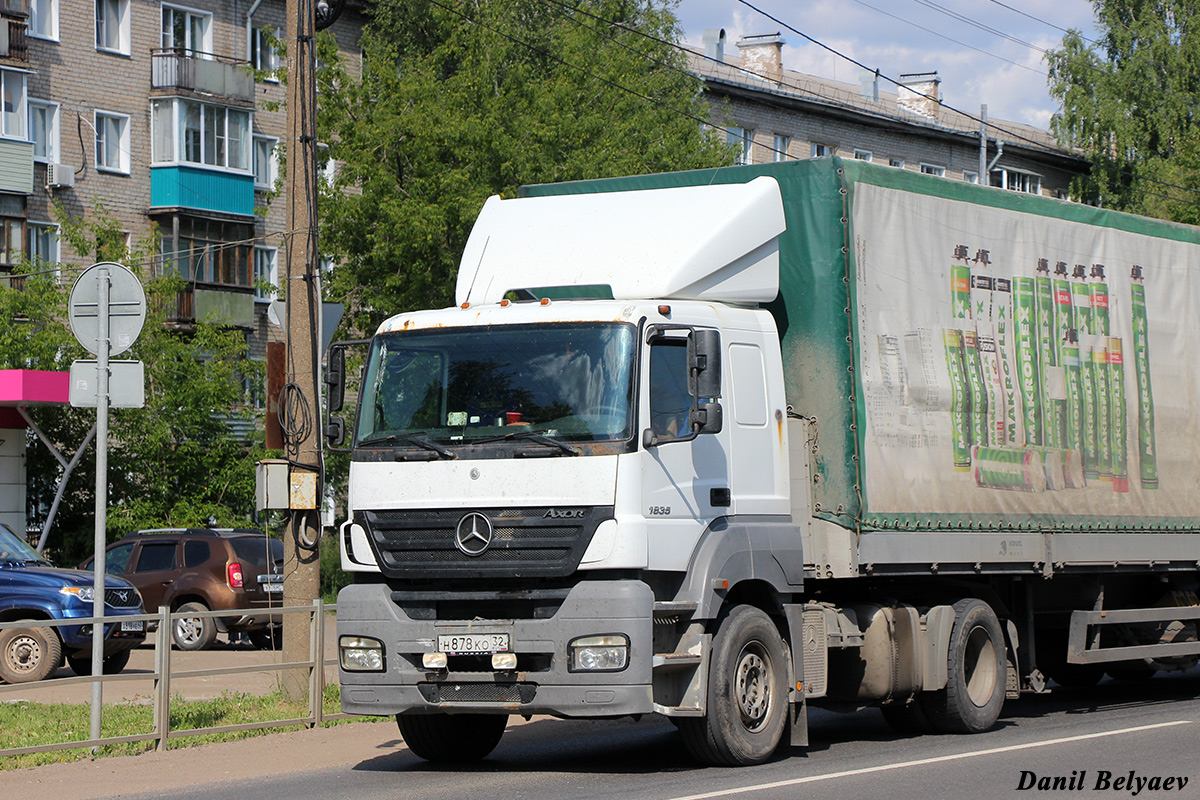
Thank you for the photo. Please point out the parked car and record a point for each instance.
(203, 569)
(31, 588)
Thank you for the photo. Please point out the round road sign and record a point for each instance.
(126, 308)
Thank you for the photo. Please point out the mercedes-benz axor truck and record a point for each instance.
(722, 445)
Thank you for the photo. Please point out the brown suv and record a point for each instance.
(202, 569)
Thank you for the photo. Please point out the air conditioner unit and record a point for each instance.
(59, 176)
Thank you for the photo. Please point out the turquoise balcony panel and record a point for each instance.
(201, 189)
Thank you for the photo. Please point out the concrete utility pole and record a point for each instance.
(300, 412)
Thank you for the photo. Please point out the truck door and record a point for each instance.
(684, 483)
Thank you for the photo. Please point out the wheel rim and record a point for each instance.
(979, 666)
(188, 630)
(754, 686)
(23, 654)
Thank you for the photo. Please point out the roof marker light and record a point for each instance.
(664, 310)
(545, 301)
(466, 305)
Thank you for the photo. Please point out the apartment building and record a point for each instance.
(170, 115)
(774, 114)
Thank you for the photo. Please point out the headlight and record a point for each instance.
(83, 593)
(361, 654)
(608, 653)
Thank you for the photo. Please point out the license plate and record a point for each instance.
(472, 643)
(136, 626)
(272, 588)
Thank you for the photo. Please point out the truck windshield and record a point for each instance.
(570, 382)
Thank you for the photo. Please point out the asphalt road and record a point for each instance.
(1091, 739)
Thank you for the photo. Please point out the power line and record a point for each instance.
(1027, 15)
(976, 24)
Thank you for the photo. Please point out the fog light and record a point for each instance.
(434, 660)
(599, 653)
(504, 660)
(361, 654)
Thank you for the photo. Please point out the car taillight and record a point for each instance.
(235, 575)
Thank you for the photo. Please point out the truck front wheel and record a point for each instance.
(28, 654)
(976, 672)
(747, 694)
(458, 738)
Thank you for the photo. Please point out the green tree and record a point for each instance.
(175, 462)
(462, 100)
(1129, 101)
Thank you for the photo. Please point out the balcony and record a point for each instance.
(202, 73)
(16, 167)
(201, 189)
(222, 305)
(14, 41)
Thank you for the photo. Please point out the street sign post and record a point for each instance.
(107, 309)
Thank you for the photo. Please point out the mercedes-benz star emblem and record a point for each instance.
(473, 534)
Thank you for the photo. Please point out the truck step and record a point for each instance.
(673, 660)
(669, 608)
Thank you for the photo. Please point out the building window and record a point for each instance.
(210, 251)
(820, 150)
(12, 104)
(782, 143)
(43, 19)
(12, 230)
(933, 169)
(263, 54)
(112, 142)
(200, 133)
(266, 163)
(112, 26)
(862, 155)
(266, 271)
(42, 246)
(43, 130)
(898, 163)
(744, 139)
(970, 177)
(186, 32)
(1016, 181)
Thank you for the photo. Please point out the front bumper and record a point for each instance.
(78, 638)
(590, 608)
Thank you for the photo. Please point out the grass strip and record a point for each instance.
(25, 724)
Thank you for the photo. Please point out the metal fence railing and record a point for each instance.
(163, 675)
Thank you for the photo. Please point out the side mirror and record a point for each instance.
(706, 417)
(704, 364)
(335, 432)
(335, 380)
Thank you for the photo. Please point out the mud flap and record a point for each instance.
(797, 702)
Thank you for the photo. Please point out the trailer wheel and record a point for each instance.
(976, 674)
(747, 694)
(451, 739)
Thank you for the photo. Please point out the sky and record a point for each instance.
(900, 36)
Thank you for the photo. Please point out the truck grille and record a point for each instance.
(477, 692)
(511, 542)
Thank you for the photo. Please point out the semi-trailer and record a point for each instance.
(724, 444)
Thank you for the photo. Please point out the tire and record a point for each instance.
(29, 654)
(747, 694)
(266, 638)
(908, 718)
(976, 673)
(192, 633)
(111, 665)
(451, 739)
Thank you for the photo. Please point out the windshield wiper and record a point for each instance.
(535, 436)
(412, 438)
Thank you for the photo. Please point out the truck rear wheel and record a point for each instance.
(747, 694)
(976, 673)
(458, 738)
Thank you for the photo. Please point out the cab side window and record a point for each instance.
(669, 398)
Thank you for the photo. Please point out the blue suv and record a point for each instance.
(31, 588)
